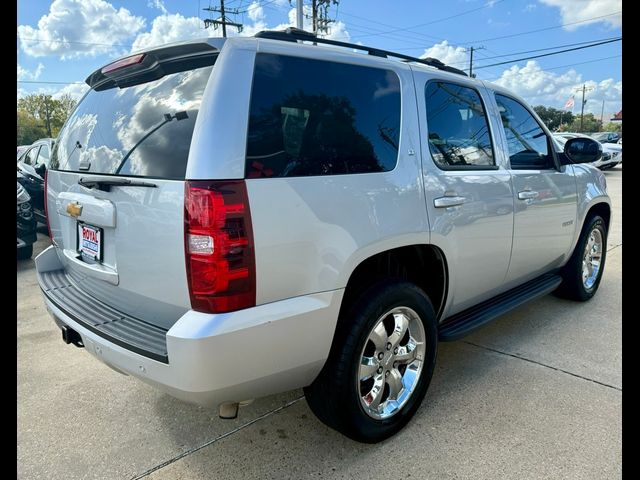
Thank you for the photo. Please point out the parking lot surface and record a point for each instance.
(536, 394)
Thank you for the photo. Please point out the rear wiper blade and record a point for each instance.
(105, 184)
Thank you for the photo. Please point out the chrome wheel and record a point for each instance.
(391, 362)
(591, 260)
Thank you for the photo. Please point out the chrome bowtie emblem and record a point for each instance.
(74, 209)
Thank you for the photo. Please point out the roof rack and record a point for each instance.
(295, 34)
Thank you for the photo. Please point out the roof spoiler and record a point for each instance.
(152, 64)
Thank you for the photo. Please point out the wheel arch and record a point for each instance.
(422, 264)
(603, 209)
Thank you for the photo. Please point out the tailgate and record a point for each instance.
(115, 188)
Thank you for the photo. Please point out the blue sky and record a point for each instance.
(65, 40)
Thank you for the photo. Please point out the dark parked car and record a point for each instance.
(32, 164)
(26, 227)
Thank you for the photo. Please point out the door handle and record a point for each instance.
(527, 195)
(444, 202)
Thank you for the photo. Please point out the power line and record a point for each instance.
(549, 54)
(257, 6)
(398, 36)
(73, 41)
(487, 5)
(567, 65)
(539, 49)
(466, 43)
(223, 18)
(541, 29)
(56, 83)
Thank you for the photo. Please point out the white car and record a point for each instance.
(611, 153)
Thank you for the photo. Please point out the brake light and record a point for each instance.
(219, 248)
(123, 63)
(46, 211)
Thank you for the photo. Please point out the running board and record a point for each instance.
(465, 322)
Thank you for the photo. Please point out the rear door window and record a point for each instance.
(314, 117)
(143, 130)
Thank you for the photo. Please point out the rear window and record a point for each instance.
(313, 117)
(143, 130)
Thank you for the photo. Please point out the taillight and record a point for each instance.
(46, 211)
(219, 246)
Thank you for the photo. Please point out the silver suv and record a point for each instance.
(235, 218)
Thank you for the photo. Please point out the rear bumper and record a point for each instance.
(212, 359)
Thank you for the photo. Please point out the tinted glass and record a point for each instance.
(527, 142)
(43, 156)
(144, 130)
(311, 117)
(30, 157)
(458, 127)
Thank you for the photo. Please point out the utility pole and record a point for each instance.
(299, 14)
(602, 116)
(584, 89)
(320, 20)
(48, 118)
(314, 16)
(471, 49)
(223, 18)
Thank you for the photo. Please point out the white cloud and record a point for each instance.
(159, 4)
(447, 54)
(540, 87)
(338, 31)
(75, 28)
(580, 10)
(170, 28)
(530, 7)
(255, 12)
(75, 90)
(24, 74)
(175, 27)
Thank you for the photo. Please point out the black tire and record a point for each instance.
(334, 396)
(572, 286)
(25, 252)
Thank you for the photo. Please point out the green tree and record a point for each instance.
(590, 124)
(40, 115)
(552, 117)
(612, 127)
(29, 129)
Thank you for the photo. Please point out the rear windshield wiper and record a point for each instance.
(105, 184)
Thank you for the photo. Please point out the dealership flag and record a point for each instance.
(569, 103)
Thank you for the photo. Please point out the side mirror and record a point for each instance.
(582, 150)
(40, 169)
